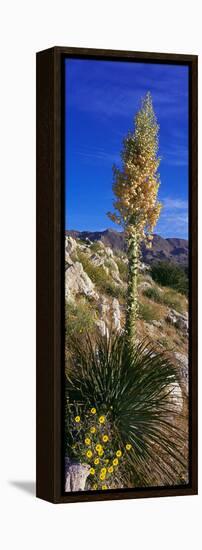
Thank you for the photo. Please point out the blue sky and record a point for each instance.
(101, 99)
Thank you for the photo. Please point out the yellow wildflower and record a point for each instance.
(110, 469)
(93, 410)
(89, 454)
(98, 447)
(95, 486)
(102, 419)
(105, 438)
(101, 452)
(102, 477)
(92, 471)
(104, 487)
(115, 461)
(77, 419)
(93, 430)
(103, 471)
(118, 454)
(87, 441)
(96, 461)
(128, 447)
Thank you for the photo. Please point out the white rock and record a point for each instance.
(183, 363)
(96, 260)
(70, 244)
(116, 315)
(104, 307)
(101, 325)
(179, 320)
(78, 282)
(68, 260)
(75, 476)
(109, 252)
(175, 394)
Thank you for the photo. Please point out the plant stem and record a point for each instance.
(132, 299)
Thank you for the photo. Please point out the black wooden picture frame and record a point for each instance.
(50, 274)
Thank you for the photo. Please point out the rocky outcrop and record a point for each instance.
(70, 245)
(116, 315)
(175, 395)
(183, 364)
(75, 476)
(172, 250)
(179, 320)
(110, 315)
(78, 282)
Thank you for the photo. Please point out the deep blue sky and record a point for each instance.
(102, 98)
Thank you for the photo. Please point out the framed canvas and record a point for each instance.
(116, 274)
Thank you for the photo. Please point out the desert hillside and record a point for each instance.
(171, 249)
(96, 286)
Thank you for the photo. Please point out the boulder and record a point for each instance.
(96, 260)
(75, 476)
(102, 327)
(68, 260)
(104, 307)
(70, 244)
(182, 361)
(175, 395)
(109, 252)
(116, 315)
(179, 320)
(78, 282)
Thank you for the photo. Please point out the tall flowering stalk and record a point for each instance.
(136, 206)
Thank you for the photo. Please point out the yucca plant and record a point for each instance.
(132, 388)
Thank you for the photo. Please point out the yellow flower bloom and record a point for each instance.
(105, 438)
(104, 487)
(89, 454)
(107, 460)
(87, 441)
(128, 447)
(92, 471)
(93, 430)
(102, 477)
(118, 454)
(101, 452)
(103, 471)
(77, 419)
(98, 447)
(93, 410)
(102, 419)
(110, 469)
(115, 461)
(96, 461)
(95, 486)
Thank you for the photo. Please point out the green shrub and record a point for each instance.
(98, 276)
(170, 299)
(153, 294)
(79, 318)
(149, 312)
(167, 274)
(95, 247)
(124, 394)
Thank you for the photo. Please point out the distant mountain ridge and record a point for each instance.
(170, 249)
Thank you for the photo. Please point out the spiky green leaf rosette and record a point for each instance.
(133, 390)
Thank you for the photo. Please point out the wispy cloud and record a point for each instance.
(174, 218)
(172, 204)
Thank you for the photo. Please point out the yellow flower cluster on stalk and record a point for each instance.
(95, 446)
(136, 184)
(136, 206)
